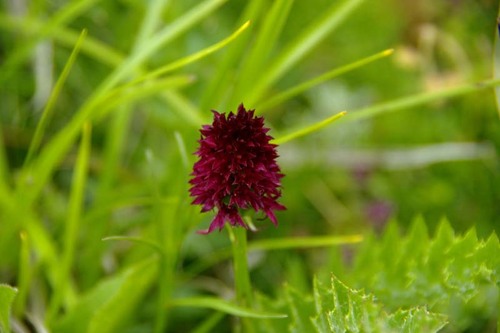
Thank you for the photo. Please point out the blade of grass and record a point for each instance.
(158, 40)
(47, 112)
(419, 99)
(302, 242)
(157, 248)
(22, 219)
(222, 81)
(117, 136)
(61, 142)
(184, 107)
(182, 149)
(169, 235)
(4, 166)
(308, 129)
(150, 22)
(193, 57)
(131, 94)
(259, 53)
(397, 105)
(302, 45)
(65, 36)
(496, 75)
(75, 207)
(112, 158)
(110, 204)
(25, 275)
(223, 306)
(21, 53)
(209, 323)
(294, 91)
(274, 244)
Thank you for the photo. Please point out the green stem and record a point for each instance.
(75, 207)
(238, 237)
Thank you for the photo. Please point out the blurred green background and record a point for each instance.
(344, 178)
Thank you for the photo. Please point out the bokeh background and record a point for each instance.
(437, 160)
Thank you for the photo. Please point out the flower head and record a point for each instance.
(236, 169)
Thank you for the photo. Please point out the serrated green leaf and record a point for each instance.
(7, 295)
(416, 270)
(416, 320)
(301, 311)
(338, 308)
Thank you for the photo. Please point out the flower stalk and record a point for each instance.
(243, 287)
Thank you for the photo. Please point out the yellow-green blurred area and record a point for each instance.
(435, 160)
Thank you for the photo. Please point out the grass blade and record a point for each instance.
(164, 36)
(59, 19)
(302, 242)
(260, 51)
(294, 91)
(193, 57)
(184, 107)
(217, 89)
(25, 274)
(223, 306)
(309, 129)
(150, 22)
(304, 43)
(275, 244)
(137, 240)
(61, 142)
(65, 36)
(47, 112)
(419, 99)
(75, 207)
(130, 94)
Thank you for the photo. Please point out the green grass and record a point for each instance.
(382, 112)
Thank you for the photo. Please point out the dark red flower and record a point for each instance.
(236, 169)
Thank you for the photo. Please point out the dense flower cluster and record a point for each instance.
(236, 169)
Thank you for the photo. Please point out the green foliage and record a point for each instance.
(448, 273)
(419, 270)
(109, 305)
(223, 306)
(7, 295)
(337, 308)
(404, 276)
(143, 75)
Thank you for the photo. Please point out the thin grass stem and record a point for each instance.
(72, 225)
(308, 129)
(49, 107)
(298, 89)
